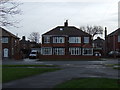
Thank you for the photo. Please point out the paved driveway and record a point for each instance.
(72, 69)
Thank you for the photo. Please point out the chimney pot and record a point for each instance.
(66, 23)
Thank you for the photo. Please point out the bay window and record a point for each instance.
(46, 51)
(75, 51)
(87, 51)
(59, 51)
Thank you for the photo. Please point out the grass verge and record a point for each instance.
(117, 68)
(90, 83)
(9, 74)
(113, 65)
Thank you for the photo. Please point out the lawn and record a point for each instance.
(9, 74)
(117, 68)
(90, 83)
(112, 65)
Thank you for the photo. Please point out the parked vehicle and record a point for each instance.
(33, 54)
(97, 54)
(114, 53)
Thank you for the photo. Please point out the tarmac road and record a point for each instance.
(72, 69)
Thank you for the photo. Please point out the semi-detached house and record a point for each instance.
(113, 41)
(10, 45)
(66, 42)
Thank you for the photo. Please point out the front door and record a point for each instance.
(5, 53)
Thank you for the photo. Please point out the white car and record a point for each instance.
(33, 54)
(112, 53)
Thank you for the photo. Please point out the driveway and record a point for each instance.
(72, 69)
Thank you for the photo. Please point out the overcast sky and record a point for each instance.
(43, 15)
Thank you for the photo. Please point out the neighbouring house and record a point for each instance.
(26, 46)
(98, 46)
(10, 45)
(66, 42)
(113, 41)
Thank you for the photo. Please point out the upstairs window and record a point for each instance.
(119, 38)
(58, 39)
(86, 39)
(5, 40)
(46, 39)
(74, 39)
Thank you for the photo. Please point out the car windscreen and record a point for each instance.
(33, 52)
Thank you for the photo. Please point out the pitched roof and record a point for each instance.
(87, 46)
(66, 30)
(116, 32)
(98, 40)
(7, 33)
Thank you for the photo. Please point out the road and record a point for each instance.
(72, 69)
(82, 62)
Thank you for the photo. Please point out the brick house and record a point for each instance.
(66, 42)
(26, 46)
(98, 46)
(113, 41)
(10, 45)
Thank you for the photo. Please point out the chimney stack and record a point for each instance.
(105, 33)
(66, 23)
(23, 38)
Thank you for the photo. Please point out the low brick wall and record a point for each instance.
(67, 57)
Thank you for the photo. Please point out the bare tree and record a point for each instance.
(92, 30)
(34, 37)
(8, 9)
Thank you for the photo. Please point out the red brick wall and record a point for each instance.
(11, 44)
(66, 57)
(64, 44)
(112, 43)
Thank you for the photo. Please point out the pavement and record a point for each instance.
(72, 69)
(36, 62)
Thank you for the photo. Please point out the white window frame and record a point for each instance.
(4, 39)
(74, 39)
(83, 52)
(45, 49)
(46, 39)
(59, 51)
(86, 39)
(75, 51)
(118, 38)
(58, 39)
